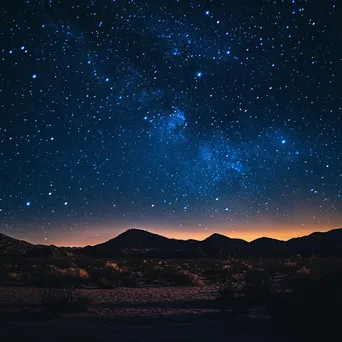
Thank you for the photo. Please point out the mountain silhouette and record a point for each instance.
(220, 244)
(329, 243)
(267, 247)
(13, 247)
(141, 243)
(136, 241)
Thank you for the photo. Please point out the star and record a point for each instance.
(176, 114)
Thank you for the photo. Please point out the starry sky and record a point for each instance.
(181, 117)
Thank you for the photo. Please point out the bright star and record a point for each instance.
(283, 142)
(28, 204)
(34, 76)
(199, 74)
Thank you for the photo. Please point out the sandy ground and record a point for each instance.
(129, 314)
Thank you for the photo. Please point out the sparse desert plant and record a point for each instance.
(191, 279)
(303, 272)
(154, 274)
(113, 266)
(180, 277)
(57, 277)
(113, 276)
(79, 273)
(257, 286)
(15, 276)
(290, 264)
(62, 301)
(230, 291)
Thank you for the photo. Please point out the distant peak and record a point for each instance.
(217, 236)
(136, 231)
(266, 240)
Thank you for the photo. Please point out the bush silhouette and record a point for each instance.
(60, 301)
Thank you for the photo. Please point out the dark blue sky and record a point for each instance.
(184, 117)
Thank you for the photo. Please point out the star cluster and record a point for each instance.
(188, 115)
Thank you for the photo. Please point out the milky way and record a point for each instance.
(184, 114)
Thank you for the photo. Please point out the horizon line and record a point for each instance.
(148, 231)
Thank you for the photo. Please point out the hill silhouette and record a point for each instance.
(141, 243)
(13, 247)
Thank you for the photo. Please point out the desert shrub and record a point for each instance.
(62, 301)
(289, 263)
(111, 271)
(190, 279)
(213, 272)
(230, 291)
(311, 307)
(112, 266)
(154, 274)
(57, 277)
(78, 273)
(16, 276)
(112, 276)
(257, 286)
(303, 271)
(181, 277)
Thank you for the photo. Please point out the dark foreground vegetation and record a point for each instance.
(300, 296)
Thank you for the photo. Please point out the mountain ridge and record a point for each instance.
(139, 242)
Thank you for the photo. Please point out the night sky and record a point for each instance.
(181, 117)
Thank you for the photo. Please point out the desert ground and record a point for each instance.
(227, 299)
(130, 314)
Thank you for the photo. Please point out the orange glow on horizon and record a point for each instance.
(247, 235)
(102, 234)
